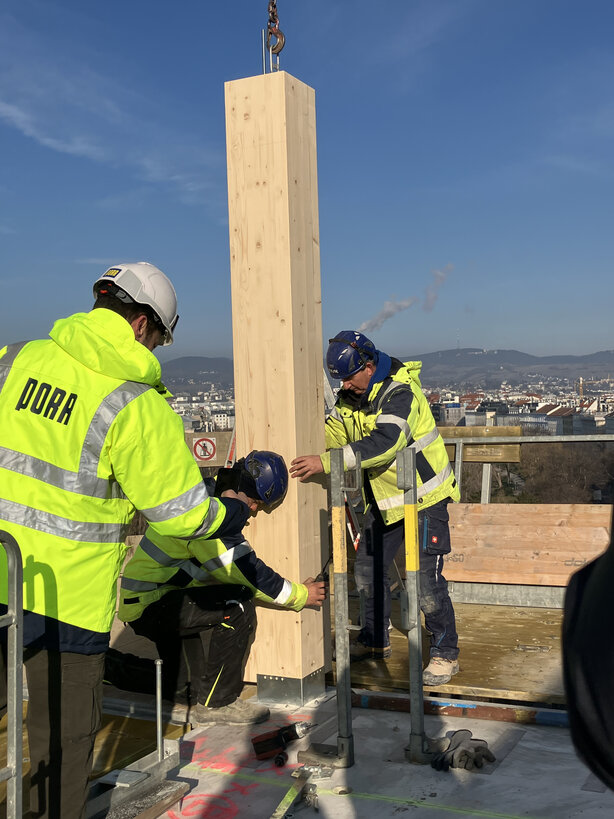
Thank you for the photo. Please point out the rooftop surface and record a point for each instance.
(536, 772)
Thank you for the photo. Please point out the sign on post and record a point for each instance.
(209, 448)
(484, 453)
(204, 449)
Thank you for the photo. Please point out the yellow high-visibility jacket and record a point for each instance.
(392, 415)
(160, 565)
(87, 438)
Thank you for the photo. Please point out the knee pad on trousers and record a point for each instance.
(429, 603)
(364, 582)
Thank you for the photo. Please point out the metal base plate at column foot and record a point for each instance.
(418, 758)
(291, 690)
(320, 754)
(421, 749)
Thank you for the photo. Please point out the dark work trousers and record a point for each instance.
(210, 630)
(64, 715)
(374, 558)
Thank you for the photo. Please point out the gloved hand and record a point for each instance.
(463, 751)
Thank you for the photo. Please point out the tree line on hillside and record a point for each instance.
(548, 473)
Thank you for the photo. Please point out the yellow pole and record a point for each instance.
(410, 603)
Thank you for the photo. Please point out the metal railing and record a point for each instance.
(12, 773)
(510, 440)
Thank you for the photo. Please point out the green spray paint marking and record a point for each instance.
(391, 800)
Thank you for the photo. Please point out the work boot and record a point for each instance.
(182, 696)
(360, 651)
(239, 712)
(439, 671)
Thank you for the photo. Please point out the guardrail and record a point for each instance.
(12, 773)
(482, 442)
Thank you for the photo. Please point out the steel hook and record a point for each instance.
(280, 40)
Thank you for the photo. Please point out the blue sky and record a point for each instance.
(465, 163)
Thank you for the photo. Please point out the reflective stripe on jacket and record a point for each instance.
(393, 414)
(162, 564)
(85, 439)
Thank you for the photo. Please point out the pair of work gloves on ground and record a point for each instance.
(459, 749)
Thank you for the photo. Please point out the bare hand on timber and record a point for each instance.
(304, 466)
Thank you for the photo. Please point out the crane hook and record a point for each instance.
(280, 40)
(273, 30)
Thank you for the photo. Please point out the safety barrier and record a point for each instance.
(12, 773)
(517, 554)
(492, 441)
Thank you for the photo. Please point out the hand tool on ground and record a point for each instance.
(302, 789)
(274, 743)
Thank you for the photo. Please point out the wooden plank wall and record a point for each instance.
(527, 544)
(277, 338)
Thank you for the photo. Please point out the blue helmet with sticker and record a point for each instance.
(348, 352)
(269, 473)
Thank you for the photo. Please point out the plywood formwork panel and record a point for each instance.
(277, 338)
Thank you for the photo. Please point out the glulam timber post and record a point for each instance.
(277, 351)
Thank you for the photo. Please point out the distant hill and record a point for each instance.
(472, 366)
(463, 368)
(179, 372)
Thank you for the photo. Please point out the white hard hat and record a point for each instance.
(144, 284)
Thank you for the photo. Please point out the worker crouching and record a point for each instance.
(203, 593)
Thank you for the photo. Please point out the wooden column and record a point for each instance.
(278, 358)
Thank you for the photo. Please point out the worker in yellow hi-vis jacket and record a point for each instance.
(195, 599)
(86, 438)
(380, 410)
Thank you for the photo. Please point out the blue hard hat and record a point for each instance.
(270, 474)
(348, 352)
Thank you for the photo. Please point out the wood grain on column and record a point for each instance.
(277, 338)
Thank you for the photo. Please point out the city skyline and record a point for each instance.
(465, 160)
(554, 377)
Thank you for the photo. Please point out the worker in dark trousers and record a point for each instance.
(86, 437)
(380, 410)
(374, 558)
(201, 606)
(588, 663)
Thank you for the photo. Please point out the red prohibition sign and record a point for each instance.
(204, 449)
